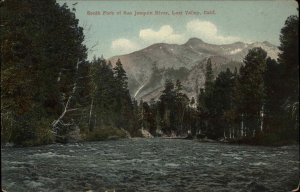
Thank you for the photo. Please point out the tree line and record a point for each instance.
(51, 92)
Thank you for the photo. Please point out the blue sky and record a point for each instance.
(246, 21)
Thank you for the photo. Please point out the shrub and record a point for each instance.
(42, 134)
(105, 133)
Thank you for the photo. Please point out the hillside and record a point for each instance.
(148, 68)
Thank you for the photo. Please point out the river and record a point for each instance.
(150, 165)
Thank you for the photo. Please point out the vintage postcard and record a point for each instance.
(163, 95)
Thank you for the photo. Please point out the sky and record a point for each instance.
(111, 30)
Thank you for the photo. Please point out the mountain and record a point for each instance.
(147, 69)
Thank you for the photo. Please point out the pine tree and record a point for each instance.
(181, 107)
(123, 105)
(167, 100)
(289, 57)
(273, 96)
(209, 77)
(202, 111)
(222, 95)
(289, 61)
(251, 88)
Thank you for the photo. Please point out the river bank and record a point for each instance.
(244, 141)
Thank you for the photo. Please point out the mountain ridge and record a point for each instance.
(174, 60)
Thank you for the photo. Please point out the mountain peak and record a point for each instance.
(194, 40)
(238, 43)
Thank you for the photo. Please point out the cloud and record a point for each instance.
(208, 32)
(205, 30)
(123, 45)
(164, 34)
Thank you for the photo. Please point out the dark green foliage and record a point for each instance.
(209, 77)
(281, 81)
(172, 115)
(222, 94)
(289, 61)
(173, 108)
(251, 90)
(215, 102)
(289, 57)
(273, 96)
(111, 104)
(148, 115)
(166, 108)
(123, 103)
(40, 42)
(209, 102)
(261, 103)
(105, 133)
(102, 82)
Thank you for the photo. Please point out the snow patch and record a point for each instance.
(235, 51)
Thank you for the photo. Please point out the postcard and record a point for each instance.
(163, 95)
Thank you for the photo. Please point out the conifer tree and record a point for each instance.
(251, 87)
(289, 61)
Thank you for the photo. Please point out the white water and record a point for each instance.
(141, 87)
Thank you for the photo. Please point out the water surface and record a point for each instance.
(150, 165)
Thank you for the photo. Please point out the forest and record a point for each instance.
(51, 92)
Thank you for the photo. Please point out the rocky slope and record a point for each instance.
(148, 68)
